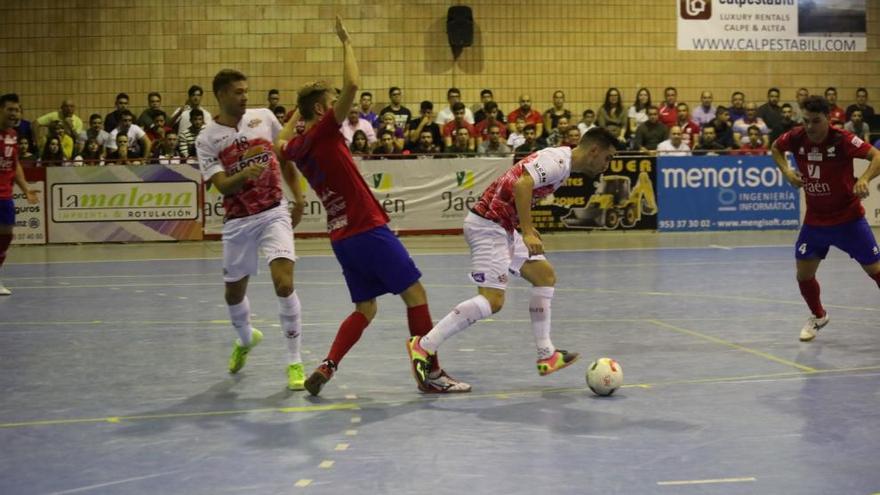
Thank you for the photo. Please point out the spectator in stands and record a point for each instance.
(57, 130)
(459, 122)
(400, 112)
(366, 109)
(157, 130)
(530, 144)
(73, 125)
(723, 127)
(704, 112)
(121, 154)
(23, 129)
(737, 106)
(154, 105)
(857, 126)
(187, 137)
(482, 127)
(139, 145)
(480, 115)
(786, 124)
(709, 144)
(181, 118)
(754, 145)
(425, 147)
(360, 144)
(423, 123)
(572, 136)
(771, 112)
(355, 123)
(461, 143)
(620, 142)
(650, 133)
(675, 145)
(530, 116)
(638, 112)
(837, 115)
(861, 104)
(280, 113)
(495, 145)
(95, 131)
(453, 96)
(612, 111)
(690, 130)
(557, 135)
(588, 121)
(741, 126)
(52, 155)
(389, 123)
(111, 121)
(26, 157)
(91, 154)
(516, 139)
(273, 99)
(557, 111)
(668, 112)
(797, 107)
(386, 148)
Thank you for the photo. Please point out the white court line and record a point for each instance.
(718, 246)
(702, 482)
(111, 483)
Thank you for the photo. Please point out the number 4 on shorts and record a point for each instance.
(802, 248)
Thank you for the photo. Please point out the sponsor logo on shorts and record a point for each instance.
(478, 277)
(502, 278)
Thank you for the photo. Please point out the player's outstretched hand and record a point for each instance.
(532, 240)
(861, 188)
(794, 179)
(341, 31)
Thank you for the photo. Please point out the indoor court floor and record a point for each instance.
(113, 373)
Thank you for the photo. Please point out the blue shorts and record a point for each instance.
(854, 238)
(375, 263)
(7, 212)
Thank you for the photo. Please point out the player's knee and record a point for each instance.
(368, 309)
(233, 297)
(496, 301)
(284, 288)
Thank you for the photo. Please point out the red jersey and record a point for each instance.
(482, 129)
(8, 161)
(221, 148)
(690, 133)
(827, 172)
(668, 115)
(533, 117)
(453, 126)
(837, 115)
(326, 162)
(548, 167)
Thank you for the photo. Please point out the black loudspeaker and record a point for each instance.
(460, 28)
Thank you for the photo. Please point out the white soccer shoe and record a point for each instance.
(812, 326)
(4, 291)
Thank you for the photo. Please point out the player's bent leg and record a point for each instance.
(290, 315)
(240, 316)
(810, 291)
(349, 333)
(543, 278)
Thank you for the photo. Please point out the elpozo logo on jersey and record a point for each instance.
(464, 179)
(382, 181)
(693, 10)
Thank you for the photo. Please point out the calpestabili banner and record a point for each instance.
(772, 25)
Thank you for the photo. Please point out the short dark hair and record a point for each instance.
(457, 106)
(226, 77)
(122, 95)
(279, 109)
(386, 132)
(273, 92)
(529, 127)
(196, 112)
(599, 136)
(856, 110)
(152, 94)
(817, 104)
(682, 104)
(668, 88)
(9, 97)
(721, 109)
(195, 88)
(786, 105)
(486, 92)
(366, 93)
(393, 89)
(310, 94)
(156, 113)
(490, 107)
(94, 116)
(126, 113)
(862, 90)
(737, 93)
(648, 108)
(772, 90)
(756, 128)
(426, 105)
(453, 90)
(830, 88)
(494, 126)
(588, 112)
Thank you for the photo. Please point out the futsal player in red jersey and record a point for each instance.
(835, 216)
(373, 260)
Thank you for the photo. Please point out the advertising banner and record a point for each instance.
(772, 25)
(124, 203)
(30, 220)
(724, 193)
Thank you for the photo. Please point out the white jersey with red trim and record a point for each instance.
(221, 148)
(549, 168)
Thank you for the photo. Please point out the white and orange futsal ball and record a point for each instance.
(604, 376)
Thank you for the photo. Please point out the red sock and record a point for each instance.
(810, 291)
(5, 241)
(349, 332)
(419, 320)
(876, 278)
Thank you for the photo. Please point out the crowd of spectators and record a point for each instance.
(671, 127)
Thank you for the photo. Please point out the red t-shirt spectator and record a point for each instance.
(533, 117)
(837, 115)
(668, 114)
(451, 126)
(690, 133)
(483, 129)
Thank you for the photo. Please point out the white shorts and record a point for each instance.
(495, 253)
(269, 231)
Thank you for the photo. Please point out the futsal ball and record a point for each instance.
(604, 376)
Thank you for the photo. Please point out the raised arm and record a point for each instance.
(350, 74)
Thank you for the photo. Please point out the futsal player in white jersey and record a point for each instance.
(498, 249)
(236, 154)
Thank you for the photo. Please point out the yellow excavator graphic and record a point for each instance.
(615, 203)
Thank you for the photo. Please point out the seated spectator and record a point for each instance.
(355, 123)
(737, 106)
(453, 96)
(650, 133)
(611, 111)
(556, 112)
(181, 118)
(482, 126)
(741, 126)
(154, 105)
(280, 113)
(52, 156)
(157, 130)
(516, 139)
(754, 146)
(572, 137)
(638, 112)
(786, 124)
(797, 107)
(723, 128)
(459, 122)
(121, 154)
(708, 143)
(860, 104)
(138, 144)
(837, 115)
(26, 157)
(495, 145)
(95, 131)
(425, 147)
(557, 135)
(386, 148)
(704, 112)
(620, 142)
(530, 144)
(57, 129)
(588, 119)
(187, 136)
(482, 113)
(388, 123)
(857, 126)
(675, 145)
(461, 143)
(168, 150)
(771, 113)
(530, 116)
(360, 144)
(400, 112)
(690, 130)
(23, 129)
(111, 121)
(423, 123)
(73, 125)
(668, 111)
(91, 154)
(366, 109)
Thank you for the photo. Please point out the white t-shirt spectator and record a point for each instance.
(666, 148)
(103, 138)
(135, 134)
(184, 121)
(640, 116)
(445, 116)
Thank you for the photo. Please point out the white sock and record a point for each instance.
(240, 314)
(539, 311)
(291, 324)
(464, 315)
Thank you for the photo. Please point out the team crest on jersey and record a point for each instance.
(254, 123)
